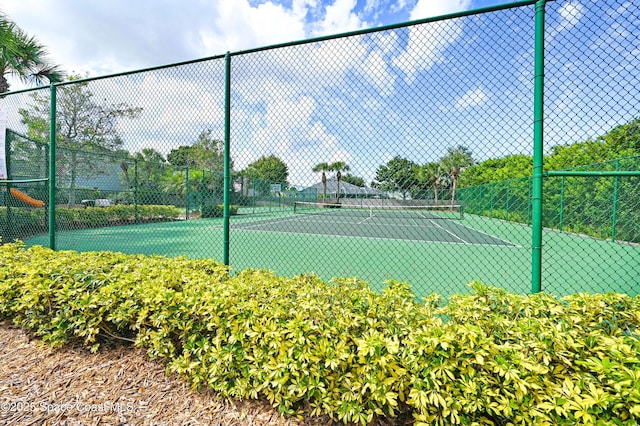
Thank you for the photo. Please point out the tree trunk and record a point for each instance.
(453, 191)
(72, 184)
(125, 168)
(435, 194)
(4, 84)
(324, 185)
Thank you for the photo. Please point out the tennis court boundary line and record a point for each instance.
(489, 235)
(433, 221)
(508, 245)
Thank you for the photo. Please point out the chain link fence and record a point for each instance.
(401, 153)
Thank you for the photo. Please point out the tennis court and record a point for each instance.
(434, 254)
(442, 224)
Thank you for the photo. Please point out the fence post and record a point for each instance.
(538, 153)
(614, 213)
(561, 202)
(202, 191)
(52, 168)
(8, 233)
(493, 193)
(227, 156)
(507, 203)
(186, 195)
(135, 191)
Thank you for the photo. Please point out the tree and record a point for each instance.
(22, 56)
(353, 180)
(267, 170)
(323, 167)
(433, 174)
(454, 162)
(399, 175)
(86, 130)
(339, 167)
(205, 153)
(497, 170)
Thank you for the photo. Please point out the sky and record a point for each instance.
(412, 92)
(98, 37)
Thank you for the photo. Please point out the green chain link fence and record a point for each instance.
(405, 152)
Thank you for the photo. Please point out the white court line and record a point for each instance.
(449, 232)
(300, 219)
(333, 222)
(363, 221)
(488, 235)
(509, 246)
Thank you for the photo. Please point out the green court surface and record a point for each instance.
(433, 255)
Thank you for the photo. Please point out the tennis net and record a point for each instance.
(454, 212)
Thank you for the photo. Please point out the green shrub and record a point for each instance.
(91, 217)
(339, 348)
(24, 221)
(217, 210)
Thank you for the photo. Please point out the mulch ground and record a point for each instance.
(115, 386)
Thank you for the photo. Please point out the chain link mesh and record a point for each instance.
(346, 152)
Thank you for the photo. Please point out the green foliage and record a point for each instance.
(86, 129)
(92, 217)
(497, 169)
(265, 171)
(353, 180)
(205, 153)
(585, 205)
(339, 348)
(399, 174)
(23, 56)
(24, 222)
(217, 210)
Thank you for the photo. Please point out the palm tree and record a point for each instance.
(454, 163)
(339, 167)
(23, 57)
(432, 173)
(323, 167)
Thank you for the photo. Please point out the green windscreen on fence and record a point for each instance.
(400, 153)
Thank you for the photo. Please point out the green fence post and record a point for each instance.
(8, 234)
(227, 155)
(561, 202)
(135, 191)
(507, 203)
(202, 191)
(52, 169)
(614, 213)
(492, 192)
(538, 151)
(186, 197)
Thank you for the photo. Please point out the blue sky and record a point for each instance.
(411, 92)
(98, 37)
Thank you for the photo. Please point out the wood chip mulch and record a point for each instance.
(115, 386)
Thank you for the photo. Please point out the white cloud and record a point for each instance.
(291, 132)
(472, 98)
(571, 14)
(427, 43)
(237, 25)
(376, 71)
(430, 8)
(339, 17)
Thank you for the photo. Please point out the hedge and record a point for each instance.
(338, 348)
(217, 210)
(91, 217)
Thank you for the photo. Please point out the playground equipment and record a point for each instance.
(25, 198)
